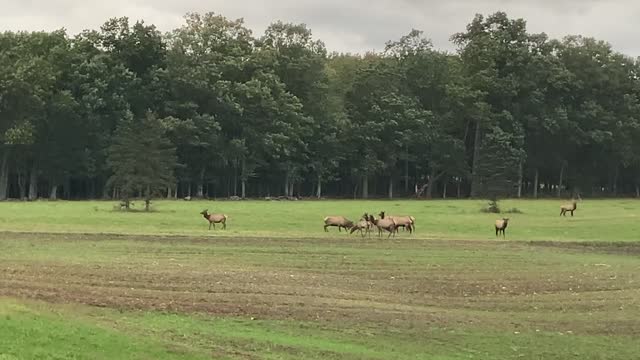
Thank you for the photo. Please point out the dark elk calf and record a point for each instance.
(214, 219)
(501, 226)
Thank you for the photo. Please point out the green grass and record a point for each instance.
(40, 331)
(595, 220)
(81, 281)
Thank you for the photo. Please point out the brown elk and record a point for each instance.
(214, 219)
(568, 208)
(339, 221)
(363, 225)
(501, 226)
(406, 222)
(384, 224)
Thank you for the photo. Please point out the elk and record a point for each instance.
(568, 207)
(214, 219)
(339, 221)
(364, 226)
(384, 224)
(501, 226)
(406, 222)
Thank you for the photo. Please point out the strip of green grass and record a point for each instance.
(41, 331)
(595, 220)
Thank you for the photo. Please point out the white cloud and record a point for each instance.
(344, 25)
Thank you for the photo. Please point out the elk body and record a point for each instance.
(406, 222)
(383, 223)
(568, 208)
(214, 219)
(339, 221)
(501, 226)
(363, 225)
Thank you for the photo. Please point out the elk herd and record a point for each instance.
(368, 223)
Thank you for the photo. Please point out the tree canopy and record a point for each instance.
(212, 110)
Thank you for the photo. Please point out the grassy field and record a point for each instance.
(80, 281)
(595, 220)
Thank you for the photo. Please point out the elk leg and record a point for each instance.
(210, 225)
(325, 228)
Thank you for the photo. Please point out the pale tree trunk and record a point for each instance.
(615, 181)
(444, 190)
(22, 185)
(476, 159)
(536, 185)
(559, 193)
(319, 188)
(33, 183)
(459, 191)
(4, 175)
(53, 195)
(291, 188)
(391, 187)
(365, 187)
(433, 180)
(286, 185)
(243, 179)
(406, 170)
(200, 193)
(520, 178)
(169, 192)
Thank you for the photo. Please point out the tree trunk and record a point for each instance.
(365, 187)
(22, 185)
(200, 193)
(406, 170)
(391, 187)
(559, 193)
(33, 183)
(444, 190)
(243, 179)
(53, 195)
(4, 175)
(319, 189)
(637, 191)
(291, 188)
(459, 193)
(286, 184)
(615, 181)
(536, 185)
(476, 158)
(520, 177)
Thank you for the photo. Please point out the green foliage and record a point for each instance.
(510, 113)
(142, 158)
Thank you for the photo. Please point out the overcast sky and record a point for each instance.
(345, 25)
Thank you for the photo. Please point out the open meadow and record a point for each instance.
(80, 280)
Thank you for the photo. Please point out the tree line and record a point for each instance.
(211, 110)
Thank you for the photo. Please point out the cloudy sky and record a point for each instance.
(345, 25)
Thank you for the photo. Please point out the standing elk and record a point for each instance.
(363, 225)
(568, 208)
(384, 224)
(406, 222)
(501, 226)
(214, 219)
(339, 221)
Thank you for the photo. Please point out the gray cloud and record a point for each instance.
(345, 25)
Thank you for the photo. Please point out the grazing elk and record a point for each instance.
(214, 219)
(363, 225)
(339, 221)
(501, 226)
(568, 208)
(384, 224)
